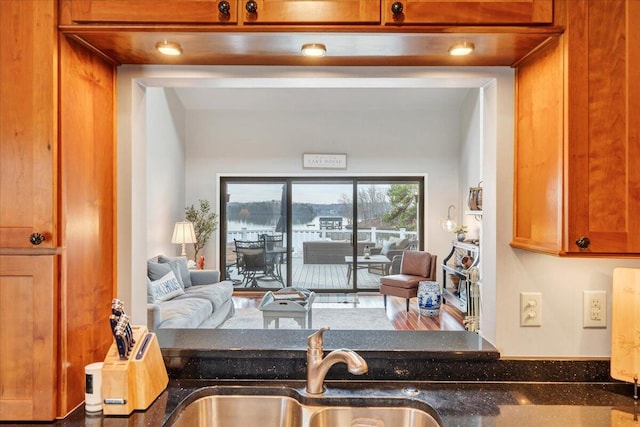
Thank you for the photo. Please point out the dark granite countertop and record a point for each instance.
(455, 403)
(459, 376)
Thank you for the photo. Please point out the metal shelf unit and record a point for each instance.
(456, 294)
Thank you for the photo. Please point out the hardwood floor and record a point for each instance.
(450, 318)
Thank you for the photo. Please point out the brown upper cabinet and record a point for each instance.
(28, 125)
(467, 12)
(326, 12)
(144, 11)
(306, 12)
(577, 180)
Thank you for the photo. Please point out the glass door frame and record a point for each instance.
(289, 180)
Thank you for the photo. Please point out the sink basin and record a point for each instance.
(238, 410)
(371, 417)
(289, 407)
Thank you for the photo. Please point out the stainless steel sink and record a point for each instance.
(239, 410)
(371, 417)
(291, 407)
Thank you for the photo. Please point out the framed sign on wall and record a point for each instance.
(324, 161)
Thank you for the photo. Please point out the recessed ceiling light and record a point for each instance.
(461, 49)
(169, 48)
(314, 49)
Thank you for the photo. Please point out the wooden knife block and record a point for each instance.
(133, 384)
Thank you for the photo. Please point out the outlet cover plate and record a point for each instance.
(594, 309)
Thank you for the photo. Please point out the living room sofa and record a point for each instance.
(178, 297)
(329, 251)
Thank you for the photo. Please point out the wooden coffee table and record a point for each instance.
(365, 262)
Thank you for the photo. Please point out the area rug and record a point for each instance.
(335, 318)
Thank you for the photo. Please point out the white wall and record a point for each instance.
(470, 157)
(561, 280)
(165, 170)
(272, 142)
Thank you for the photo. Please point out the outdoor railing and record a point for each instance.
(299, 236)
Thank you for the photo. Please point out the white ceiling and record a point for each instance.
(321, 99)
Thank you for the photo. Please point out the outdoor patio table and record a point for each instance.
(364, 262)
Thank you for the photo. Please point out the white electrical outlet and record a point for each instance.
(594, 311)
(530, 309)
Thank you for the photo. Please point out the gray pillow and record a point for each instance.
(150, 296)
(173, 266)
(386, 247)
(155, 270)
(182, 273)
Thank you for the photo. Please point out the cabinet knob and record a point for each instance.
(224, 7)
(583, 242)
(36, 238)
(251, 6)
(397, 8)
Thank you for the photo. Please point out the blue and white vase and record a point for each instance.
(429, 298)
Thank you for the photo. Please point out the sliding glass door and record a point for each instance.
(308, 232)
(254, 224)
(322, 231)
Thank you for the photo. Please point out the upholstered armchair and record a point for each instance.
(391, 248)
(415, 267)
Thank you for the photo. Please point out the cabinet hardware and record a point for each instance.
(251, 6)
(583, 242)
(397, 8)
(36, 238)
(224, 7)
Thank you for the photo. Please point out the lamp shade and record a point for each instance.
(183, 232)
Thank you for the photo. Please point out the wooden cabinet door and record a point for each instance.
(28, 338)
(28, 122)
(325, 12)
(577, 179)
(603, 198)
(473, 12)
(147, 11)
(539, 162)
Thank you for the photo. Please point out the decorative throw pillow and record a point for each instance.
(150, 297)
(386, 247)
(179, 267)
(173, 266)
(165, 288)
(400, 242)
(155, 270)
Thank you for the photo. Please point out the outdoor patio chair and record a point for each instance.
(272, 241)
(276, 254)
(415, 267)
(251, 260)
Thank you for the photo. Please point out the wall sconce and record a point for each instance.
(314, 49)
(461, 49)
(449, 223)
(169, 48)
(183, 233)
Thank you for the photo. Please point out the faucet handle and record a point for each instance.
(315, 339)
